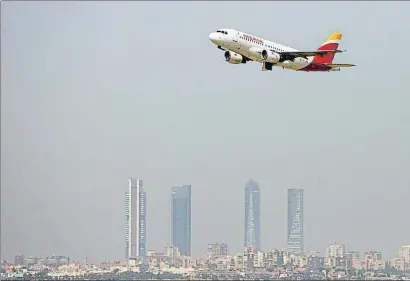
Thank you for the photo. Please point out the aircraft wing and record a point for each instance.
(310, 54)
(340, 65)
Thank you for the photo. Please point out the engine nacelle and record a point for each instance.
(270, 56)
(234, 58)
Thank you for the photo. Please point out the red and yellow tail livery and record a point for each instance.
(331, 44)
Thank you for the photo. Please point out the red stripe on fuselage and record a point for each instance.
(328, 58)
(314, 66)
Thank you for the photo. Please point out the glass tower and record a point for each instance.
(295, 220)
(181, 218)
(135, 220)
(252, 215)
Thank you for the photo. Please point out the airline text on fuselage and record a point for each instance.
(252, 38)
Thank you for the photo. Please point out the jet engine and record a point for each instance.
(234, 58)
(270, 56)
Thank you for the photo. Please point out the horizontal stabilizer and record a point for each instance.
(340, 65)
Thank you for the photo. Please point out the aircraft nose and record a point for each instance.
(212, 37)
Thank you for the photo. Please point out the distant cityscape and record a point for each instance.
(176, 262)
(135, 219)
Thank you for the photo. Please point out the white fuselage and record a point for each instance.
(251, 46)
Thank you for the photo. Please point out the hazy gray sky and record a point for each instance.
(94, 93)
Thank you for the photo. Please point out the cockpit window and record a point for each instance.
(222, 31)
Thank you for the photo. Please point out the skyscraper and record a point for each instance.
(295, 220)
(252, 215)
(181, 218)
(135, 220)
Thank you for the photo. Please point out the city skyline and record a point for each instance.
(336, 264)
(181, 223)
(335, 255)
(90, 98)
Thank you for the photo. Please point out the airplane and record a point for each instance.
(241, 47)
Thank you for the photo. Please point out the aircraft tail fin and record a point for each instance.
(330, 44)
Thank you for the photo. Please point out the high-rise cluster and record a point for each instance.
(135, 216)
(135, 220)
(252, 239)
